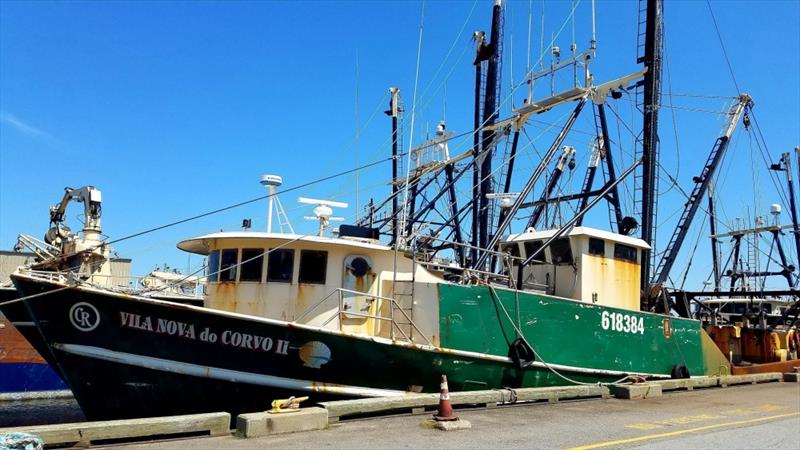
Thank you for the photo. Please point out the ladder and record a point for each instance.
(638, 176)
(404, 297)
(641, 28)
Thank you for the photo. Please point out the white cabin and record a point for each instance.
(301, 278)
(586, 264)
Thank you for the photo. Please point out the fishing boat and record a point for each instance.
(392, 302)
(22, 369)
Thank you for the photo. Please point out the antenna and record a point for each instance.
(323, 211)
(271, 182)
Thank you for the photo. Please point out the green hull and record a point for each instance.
(584, 342)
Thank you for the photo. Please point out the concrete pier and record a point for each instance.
(741, 416)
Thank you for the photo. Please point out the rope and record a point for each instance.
(497, 300)
(246, 202)
(722, 44)
(22, 299)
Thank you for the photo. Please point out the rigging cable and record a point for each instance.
(722, 44)
(674, 122)
(694, 250)
(242, 203)
(411, 146)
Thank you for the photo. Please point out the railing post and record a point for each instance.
(391, 318)
(341, 304)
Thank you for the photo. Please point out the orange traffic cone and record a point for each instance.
(445, 412)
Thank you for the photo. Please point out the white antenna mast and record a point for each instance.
(272, 182)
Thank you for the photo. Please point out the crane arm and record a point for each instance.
(92, 209)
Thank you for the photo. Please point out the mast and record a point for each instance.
(491, 53)
(526, 190)
(652, 99)
(787, 162)
(394, 112)
(479, 37)
(712, 213)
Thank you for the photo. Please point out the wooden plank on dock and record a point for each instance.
(343, 408)
(83, 433)
(687, 383)
(753, 378)
(556, 393)
(723, 381)
(485, 398)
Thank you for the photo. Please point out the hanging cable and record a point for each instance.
(722, 44)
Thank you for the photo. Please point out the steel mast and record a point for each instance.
(652, 99)
(491, 53)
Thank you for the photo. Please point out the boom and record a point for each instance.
(701, 185)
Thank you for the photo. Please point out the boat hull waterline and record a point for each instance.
(126, 356)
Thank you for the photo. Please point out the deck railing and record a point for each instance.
(130, 285)
(341, 311)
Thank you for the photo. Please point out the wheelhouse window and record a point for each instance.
(561, 251)
(511, 250)
(625, 252)
(279, 265)
(532, 247)
(252, 264)
(597, 247)
(313, 265)
(213, 266)
(227, 269)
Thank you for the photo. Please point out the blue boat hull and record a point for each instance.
(28, 376)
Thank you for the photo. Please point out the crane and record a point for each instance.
(91, 198)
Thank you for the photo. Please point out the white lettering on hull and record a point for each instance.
(626, 323)
(187, 331)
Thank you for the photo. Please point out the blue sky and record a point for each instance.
(176, 108)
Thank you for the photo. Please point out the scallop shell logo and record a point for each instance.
(315, 354)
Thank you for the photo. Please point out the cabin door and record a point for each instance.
(357, 282)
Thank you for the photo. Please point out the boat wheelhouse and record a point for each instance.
(354, 285)
(587, 264)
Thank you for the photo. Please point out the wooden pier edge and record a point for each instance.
(718, 381)
(83, 433)
(417, 403)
